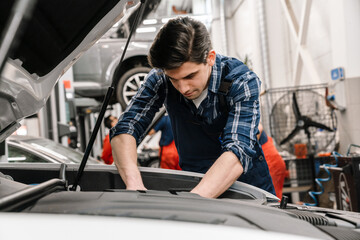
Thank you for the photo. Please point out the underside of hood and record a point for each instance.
(55, 29)
(52, 38)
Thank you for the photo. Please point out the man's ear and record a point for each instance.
(211, 57)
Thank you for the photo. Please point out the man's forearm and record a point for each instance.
(222, 174)
(125, 158)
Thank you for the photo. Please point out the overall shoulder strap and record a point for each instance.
(223, 90)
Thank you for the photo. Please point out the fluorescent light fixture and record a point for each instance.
(149, 21)
(146, 30)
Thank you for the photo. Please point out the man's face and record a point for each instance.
(190, 79)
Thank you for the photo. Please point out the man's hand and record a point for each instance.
(125, 158)
(222, 174)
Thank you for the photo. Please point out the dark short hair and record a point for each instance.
(180, 40)
(107, 121)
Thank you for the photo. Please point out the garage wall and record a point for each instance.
(345, 35)
(332, 39)
(242, 40)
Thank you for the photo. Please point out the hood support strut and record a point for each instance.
(105, 102)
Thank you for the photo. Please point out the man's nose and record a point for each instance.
(183, 86)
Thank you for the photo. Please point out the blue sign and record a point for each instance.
(341, 71)
(337, 73)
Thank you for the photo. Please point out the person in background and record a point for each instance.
(106, 155)
(169, 157)
(275, 162)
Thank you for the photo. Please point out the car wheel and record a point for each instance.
(154, 163)
(129, 84)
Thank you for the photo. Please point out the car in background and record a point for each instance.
(30, 149)
(94, 71)
(27, 149)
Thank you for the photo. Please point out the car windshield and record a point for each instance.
(17, 155)
(58, 150)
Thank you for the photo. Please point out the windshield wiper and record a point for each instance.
(106, 101)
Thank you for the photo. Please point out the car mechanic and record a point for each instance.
(213, 103)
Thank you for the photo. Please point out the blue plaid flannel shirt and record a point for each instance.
(240, 131)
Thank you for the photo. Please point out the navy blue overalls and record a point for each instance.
(198, 143)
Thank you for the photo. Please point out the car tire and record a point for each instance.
(129, 84)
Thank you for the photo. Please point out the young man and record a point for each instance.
(213, 104)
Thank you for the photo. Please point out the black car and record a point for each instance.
(41, 202)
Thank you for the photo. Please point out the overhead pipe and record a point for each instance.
(223, 27)
(264, 55)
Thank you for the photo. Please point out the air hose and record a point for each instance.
(319, 181)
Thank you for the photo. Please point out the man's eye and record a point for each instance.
(171, 79)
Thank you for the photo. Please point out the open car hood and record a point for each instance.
(37, 196)
(47, 44)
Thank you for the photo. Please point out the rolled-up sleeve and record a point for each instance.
(239, 135)
(142, 108)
